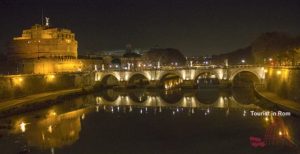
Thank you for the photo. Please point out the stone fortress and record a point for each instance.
(41, 41)
(43, 49)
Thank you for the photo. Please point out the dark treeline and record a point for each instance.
(276, 47)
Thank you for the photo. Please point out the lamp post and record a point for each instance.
(243, 61)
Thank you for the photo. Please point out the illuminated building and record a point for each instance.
(43, 42)
(43, 49)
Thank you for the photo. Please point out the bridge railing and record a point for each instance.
(171, 68)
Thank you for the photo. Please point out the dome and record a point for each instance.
(166, 56)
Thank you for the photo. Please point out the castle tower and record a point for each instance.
(43, 41)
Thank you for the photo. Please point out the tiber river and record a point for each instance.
(152, 121)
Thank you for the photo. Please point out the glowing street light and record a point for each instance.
(243, 61)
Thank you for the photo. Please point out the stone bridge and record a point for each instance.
(188, 75)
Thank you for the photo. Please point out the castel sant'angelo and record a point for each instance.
(44, 49)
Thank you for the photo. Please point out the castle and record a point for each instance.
(43, 49)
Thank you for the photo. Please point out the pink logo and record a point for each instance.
(257, 142)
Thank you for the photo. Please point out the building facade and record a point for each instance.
(45, 50)
(43, 42)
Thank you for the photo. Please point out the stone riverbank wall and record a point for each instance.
(14, 86)
(285, 82)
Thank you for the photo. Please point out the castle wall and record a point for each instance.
(14, 86)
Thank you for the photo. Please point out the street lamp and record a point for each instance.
(243, 61)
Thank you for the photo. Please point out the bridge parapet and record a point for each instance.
(185, 73)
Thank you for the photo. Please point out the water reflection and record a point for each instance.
(138, 96)
(172, 95)
(244, 95)
(109, 95)
(53, 131)
(209, 96)
(209, 111)
(176, 97)
(277, 133)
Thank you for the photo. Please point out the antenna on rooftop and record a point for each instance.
(47, 21)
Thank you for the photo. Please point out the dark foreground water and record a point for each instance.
(140, 121)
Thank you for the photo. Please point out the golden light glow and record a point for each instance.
(278, 72)
(280, 133)
(68, 40)
(50, 78)
(52, 113)
(50, 129)
(18, 81)
(285, 74)
(266, 119)
(172, 83)
(271, 72)
(23, 126)
(72, 133)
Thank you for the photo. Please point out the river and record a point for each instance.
(153, 121)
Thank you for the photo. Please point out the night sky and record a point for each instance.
(195, 27)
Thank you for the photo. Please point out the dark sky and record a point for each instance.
(195, 27)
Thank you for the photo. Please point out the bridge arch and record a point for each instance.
(170, 80)
(255, 72)
(138, 80)
(245, 78)
(109, 80)
(207, 78)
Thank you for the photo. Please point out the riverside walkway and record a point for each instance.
(284, 104)
(18, 102)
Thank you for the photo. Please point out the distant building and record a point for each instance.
(114, 53)
(196, 61)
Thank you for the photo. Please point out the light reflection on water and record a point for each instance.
(60, 126)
